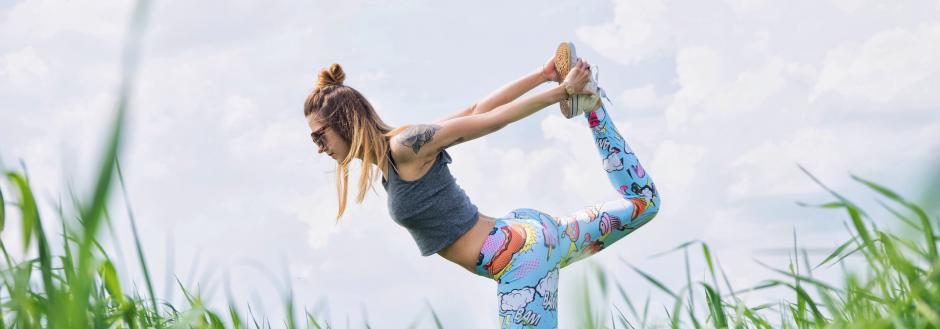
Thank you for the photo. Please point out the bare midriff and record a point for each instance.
(466, 250)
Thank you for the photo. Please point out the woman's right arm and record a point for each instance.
(509, 92)
(425, 141)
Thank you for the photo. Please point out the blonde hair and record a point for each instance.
(348, 113)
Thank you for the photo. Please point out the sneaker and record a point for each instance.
(565, 59)
(588, 102)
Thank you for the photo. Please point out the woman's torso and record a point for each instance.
(465, 250)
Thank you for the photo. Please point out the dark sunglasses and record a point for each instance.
(317, 136)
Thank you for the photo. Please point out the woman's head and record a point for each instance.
(345, 126)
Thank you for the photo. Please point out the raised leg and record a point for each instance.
(588, 231)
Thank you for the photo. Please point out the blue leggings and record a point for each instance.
(526, 248)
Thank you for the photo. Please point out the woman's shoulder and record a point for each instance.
(404, 154)
(409, 164)
(411, 143)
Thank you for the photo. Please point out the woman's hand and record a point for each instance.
(577, 78)
(548, 71)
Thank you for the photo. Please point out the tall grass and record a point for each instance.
(898, 285)
(80, 288)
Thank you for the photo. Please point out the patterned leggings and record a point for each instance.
(526, 248)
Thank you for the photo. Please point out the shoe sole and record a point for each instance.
(565, 58)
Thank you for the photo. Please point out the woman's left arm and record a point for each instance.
(426, 140)
(509, 92)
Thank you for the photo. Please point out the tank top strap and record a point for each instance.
(443, 158)
(446, 156)
(391, 160)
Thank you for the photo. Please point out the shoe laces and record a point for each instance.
(599, 91)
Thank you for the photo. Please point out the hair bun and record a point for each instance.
(332, 76)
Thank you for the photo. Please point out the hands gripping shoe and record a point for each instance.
(589, 98)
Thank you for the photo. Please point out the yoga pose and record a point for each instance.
(523, 250)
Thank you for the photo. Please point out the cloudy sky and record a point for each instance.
(720, 99)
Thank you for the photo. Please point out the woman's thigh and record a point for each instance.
(521, 255)
(590, 230)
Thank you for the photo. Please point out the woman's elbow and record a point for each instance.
(492, 122)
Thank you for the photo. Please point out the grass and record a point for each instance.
(898, 288)
(898, 285)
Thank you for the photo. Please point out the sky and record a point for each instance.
(720, 99)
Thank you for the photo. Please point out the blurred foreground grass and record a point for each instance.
(898, 285)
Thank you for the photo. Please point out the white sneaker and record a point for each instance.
(585, 103)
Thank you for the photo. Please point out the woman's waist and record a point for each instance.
(466, 249)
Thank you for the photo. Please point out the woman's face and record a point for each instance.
(327, 139)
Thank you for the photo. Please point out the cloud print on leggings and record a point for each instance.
(517, 299)
(548, 289)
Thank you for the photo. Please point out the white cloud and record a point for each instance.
(40, 20)
(638, 31)
(22, 66)
(675, 165)
(744, 7)
(644, 98)
(237, 111)
(895, 64)
(768, 169)
(312, 209)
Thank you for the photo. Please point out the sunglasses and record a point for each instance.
(317, 136)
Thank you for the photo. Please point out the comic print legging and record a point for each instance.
(526, 248)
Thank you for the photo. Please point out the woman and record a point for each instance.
(523, 250)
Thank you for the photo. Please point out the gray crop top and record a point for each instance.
(434, 209)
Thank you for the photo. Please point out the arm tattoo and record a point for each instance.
(418, 135)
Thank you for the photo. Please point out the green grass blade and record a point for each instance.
(827, 205)
(111, 282)
(681, 246)
(801, 278)
(437, 320)
(676, 317)
(708, 259)
(836, 253)
(651, 279)
(929, 235)
(844, 202)
(688, 284)
(32, 226)
(626, 298)
(312, 320)
(2, 219)
(715, 306)
(27, 205)
(137, 245)
(899, 216)
(930, 313)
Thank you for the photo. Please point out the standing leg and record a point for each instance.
(529, 302)
(518, 255)
(592, 229)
